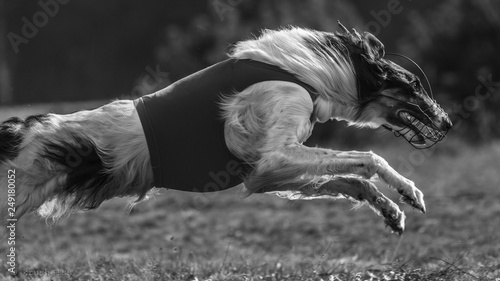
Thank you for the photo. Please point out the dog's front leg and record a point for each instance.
(276, 167)
(265, 125)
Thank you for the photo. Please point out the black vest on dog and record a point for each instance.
(185, 131)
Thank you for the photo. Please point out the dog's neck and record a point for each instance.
(333, 75)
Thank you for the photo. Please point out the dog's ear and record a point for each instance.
(370, 45)
(373, 47)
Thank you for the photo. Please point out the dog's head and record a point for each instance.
(391, 96)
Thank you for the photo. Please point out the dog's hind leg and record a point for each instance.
(358, 190)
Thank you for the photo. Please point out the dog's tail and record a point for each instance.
(60, 163)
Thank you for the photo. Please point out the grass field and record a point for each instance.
(183, 236)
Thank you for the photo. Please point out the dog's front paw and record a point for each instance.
(393, 216)
(412, 195)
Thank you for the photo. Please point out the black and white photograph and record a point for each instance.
(250, 140)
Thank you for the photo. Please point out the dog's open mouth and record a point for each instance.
(417, 133)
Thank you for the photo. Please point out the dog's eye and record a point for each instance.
(415, 85)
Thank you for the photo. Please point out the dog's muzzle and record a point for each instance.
(421, 133)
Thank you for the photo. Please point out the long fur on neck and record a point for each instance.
(316, 60)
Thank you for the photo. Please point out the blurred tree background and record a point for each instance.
(62, 50)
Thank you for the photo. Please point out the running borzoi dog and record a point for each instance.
(239, 122)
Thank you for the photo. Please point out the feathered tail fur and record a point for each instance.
(70, 162)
